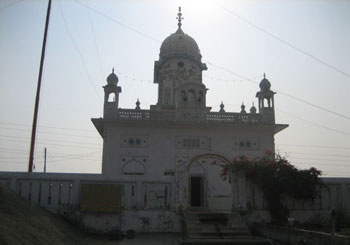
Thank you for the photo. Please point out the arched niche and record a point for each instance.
(191, 95)
(133, 167)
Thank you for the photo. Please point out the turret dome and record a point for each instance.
(112, 78)
(265, 85)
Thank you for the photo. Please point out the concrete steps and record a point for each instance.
(204, 227)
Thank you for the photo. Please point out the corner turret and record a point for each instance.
(112, 92)
(265, 95)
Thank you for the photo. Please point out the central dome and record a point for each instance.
(180, 43)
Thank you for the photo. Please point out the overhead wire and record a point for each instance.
(221, 68)
(118, 22)
(78, 50)
(317, 146)
(54, 133)
(48, 143)
(45, 126)
(95, 41)
(75, 157)
(321, 164)
(279, 91)
(315, 124)
(328, 160)
(10, 4)
(281, 40)
(49, 140)
(315, 154)
(159, 42)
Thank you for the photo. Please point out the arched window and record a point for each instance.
(200, 97)
(167, 95)
(191, 95)
(111, 97)
(183, 96)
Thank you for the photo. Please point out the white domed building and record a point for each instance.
(157, 162)
(165, 153)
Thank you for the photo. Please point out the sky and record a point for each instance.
(303, 46)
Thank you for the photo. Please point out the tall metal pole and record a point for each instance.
(45, 151)
(35, 118)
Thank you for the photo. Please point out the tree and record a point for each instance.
(276, 177)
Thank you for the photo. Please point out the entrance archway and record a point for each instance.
(205, 187)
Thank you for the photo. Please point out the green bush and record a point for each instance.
(276, 177)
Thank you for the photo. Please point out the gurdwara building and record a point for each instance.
(177, 139)
(157, 163)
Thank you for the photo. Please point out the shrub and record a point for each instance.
(276, 177)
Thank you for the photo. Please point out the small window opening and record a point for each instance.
(180, 64)
(111, 97)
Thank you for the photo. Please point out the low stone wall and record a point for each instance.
(137, 220)
(296, 236)
(147, 205)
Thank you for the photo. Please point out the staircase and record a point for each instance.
(204, 227)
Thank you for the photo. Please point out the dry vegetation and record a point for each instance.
(23, 223)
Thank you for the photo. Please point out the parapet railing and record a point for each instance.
(225, 117)
(233, 117)
(133, 114)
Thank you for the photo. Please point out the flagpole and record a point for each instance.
(36, 107)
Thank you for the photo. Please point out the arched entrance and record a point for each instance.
(206, 190)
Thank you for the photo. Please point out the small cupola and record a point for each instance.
(253, 109)
(266, 101)
(243, 108)
(112, 78)
(112, 92)
(265, 85)
(222, 110)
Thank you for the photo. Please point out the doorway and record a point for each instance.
(196, 183)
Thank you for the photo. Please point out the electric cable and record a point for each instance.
(78, 51)
(282, 41)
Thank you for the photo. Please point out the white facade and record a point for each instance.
(162, 158)
(177, 139)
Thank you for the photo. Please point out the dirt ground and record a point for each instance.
(23, 223)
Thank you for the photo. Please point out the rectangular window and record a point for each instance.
(245, 143)
(134, 141)
(190, 143)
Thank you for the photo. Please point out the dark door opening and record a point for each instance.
(196, 191)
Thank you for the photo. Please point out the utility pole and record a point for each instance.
(36, 108)
(45, 152)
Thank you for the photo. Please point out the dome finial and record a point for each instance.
(179, 18)
(243, 108)
(113, 70)
(138, 105)
(222, 107)
(264, 75)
